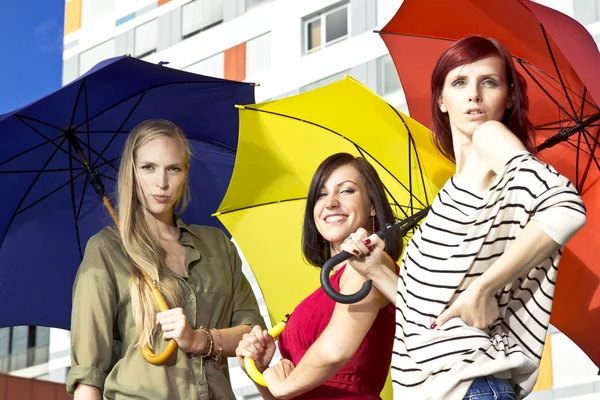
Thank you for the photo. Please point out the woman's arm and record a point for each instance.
(87, 392)
(345, 332)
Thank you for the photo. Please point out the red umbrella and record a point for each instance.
(561, 63)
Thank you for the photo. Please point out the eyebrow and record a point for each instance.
(341, 183)
(154, 164)
(492, 75)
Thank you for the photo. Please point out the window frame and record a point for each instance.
(322, 15)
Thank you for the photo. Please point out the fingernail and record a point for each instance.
(371, 248)
(434, 325)
(356, 252)
(367, 242)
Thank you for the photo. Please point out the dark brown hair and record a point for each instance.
(315, 249)
(467, 51)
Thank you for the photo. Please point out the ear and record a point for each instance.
(373, 213)
(510, 102)
(442, 105)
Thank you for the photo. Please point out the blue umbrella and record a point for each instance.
(49, 209)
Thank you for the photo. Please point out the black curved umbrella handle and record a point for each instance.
(331, 292)
(406, 225)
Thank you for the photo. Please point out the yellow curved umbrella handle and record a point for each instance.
(158, 359)
(251, 369)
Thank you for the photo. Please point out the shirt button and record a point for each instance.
(191, 297)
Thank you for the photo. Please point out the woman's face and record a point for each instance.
(161, 174)
(342, 205)
(475, 93)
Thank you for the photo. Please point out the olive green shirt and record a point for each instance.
(103, 332)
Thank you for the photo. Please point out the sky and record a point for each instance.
(31, 36)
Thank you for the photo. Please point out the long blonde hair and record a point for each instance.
(144, 250)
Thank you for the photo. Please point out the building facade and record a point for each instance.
(288, 47)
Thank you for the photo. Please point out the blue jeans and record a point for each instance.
(490, 388)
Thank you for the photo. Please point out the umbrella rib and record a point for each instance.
(27, 192)
(412, 140)
(58, 147)
(73, 205)
(123, 123)
(562, 83)
(39, 121)
(50, 193)
(81, 86)
(573, 118)
(87, 119)
(335, 133)
(28, 150)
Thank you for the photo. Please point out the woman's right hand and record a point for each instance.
(257, 345)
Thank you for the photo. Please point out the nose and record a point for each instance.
(332, 201)
(161, 180)
(474, 93)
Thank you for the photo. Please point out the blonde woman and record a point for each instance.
(196, 268)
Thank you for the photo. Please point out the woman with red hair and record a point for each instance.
(474, 294)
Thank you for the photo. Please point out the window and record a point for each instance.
(328, 27)
(211, 66)
(387, 77)
(323, 82)
(253, 3)
(146, 38)
(199, 15)
(93, 56)
(258, 55)
(23, 346)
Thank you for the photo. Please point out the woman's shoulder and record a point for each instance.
(208, 234)
(103, 253)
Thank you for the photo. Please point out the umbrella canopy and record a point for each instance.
(281, 144)
(49, 210)
(559, 60)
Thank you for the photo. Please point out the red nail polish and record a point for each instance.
(371, 248)
(433, 326)
(355, 252)
(367, 242)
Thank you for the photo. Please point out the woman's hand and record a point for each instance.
(274, 376)
(257, 345)
(367, 250)
(477, 308)
(175, 326)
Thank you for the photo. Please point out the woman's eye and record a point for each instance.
(147, 167)
(176, 169)
(458, 82)
(490, 82)
(347, 191)
(321, 195)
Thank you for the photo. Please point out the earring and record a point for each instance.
(374, 228)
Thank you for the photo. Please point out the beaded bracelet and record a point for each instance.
(219, 345)
(209, 343)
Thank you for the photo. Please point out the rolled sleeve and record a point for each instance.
(92, 319)
(559, 211)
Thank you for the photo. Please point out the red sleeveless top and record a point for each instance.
(364, 375)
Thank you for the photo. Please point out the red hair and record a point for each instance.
(467, 51)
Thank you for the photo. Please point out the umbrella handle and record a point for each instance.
(406, 225)
(249, 363)
(158, 359)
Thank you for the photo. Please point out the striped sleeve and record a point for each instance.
(557, 207)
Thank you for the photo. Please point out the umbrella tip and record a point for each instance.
(255, 84)
(161, 63)
(128, 55)
(240, 107)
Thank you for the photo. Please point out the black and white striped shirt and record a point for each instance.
(463, 235)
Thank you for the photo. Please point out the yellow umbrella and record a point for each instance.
(282, 142)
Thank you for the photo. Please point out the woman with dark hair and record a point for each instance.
(330, 350)
(475, 290)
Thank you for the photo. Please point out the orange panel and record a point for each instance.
(544, 380)
(235, 62)
(72, 16)
(43, 390)
(161, 2)
(18, 388)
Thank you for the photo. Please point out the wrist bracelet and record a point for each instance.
(219, 345)
(207, 350)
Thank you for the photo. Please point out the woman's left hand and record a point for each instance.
(175, 326)
(474, 306)
(367, 250)
(275, 375)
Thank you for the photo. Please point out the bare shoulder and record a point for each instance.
(496, 144)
